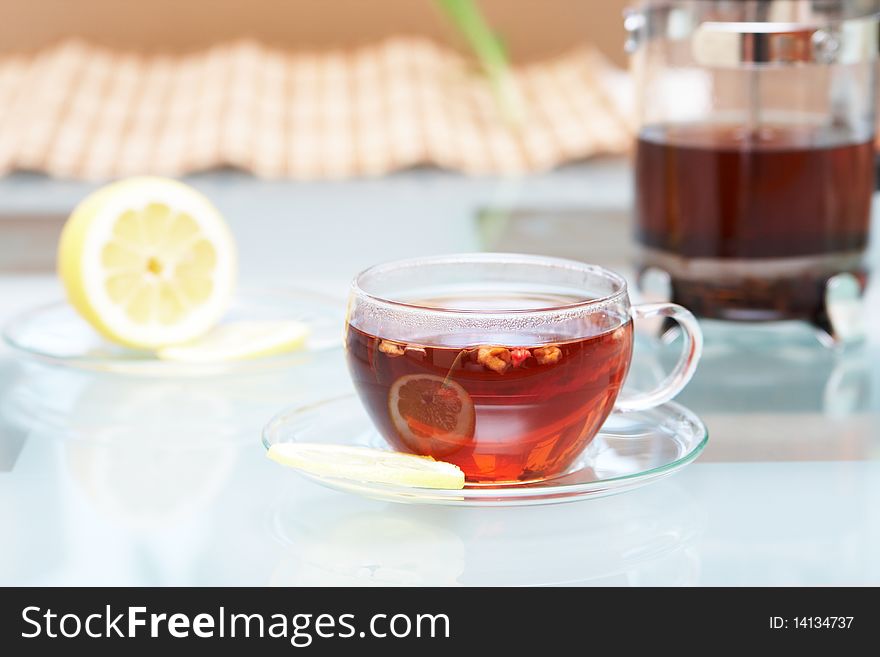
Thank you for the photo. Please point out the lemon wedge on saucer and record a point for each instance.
(238, 341)
(368, 465)
(148, 262)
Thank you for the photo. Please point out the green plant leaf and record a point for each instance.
(467, 18)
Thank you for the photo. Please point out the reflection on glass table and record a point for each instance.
(773, 393)
(147, 452)
(645, 537)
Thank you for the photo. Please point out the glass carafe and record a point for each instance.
(755, 156)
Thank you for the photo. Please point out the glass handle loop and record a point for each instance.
(683, 370)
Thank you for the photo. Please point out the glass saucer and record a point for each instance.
(56, 335)
(631, 450)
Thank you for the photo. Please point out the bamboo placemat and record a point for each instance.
(80, 111)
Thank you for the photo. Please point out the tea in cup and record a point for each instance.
(505, 365)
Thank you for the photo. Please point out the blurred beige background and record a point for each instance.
(532, 29)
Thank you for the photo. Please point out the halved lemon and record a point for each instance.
(368, 465)
(240, 340)
(432, 415)
(148, 262)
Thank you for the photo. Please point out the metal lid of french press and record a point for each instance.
(758, 43)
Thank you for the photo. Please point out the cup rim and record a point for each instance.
(490, 258)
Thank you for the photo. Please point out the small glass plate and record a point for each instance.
(56, 335)
(631, 450)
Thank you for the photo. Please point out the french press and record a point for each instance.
(755, 156)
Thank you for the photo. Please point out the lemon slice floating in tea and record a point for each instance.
(431, 414)
(240, 340)
(368, 465)
(148, 262)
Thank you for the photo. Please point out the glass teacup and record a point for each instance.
(505, 365)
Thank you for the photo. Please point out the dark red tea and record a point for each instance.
(797, 195)
(506, 408)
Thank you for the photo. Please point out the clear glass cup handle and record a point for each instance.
(683, 370)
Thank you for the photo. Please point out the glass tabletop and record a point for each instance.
(107, 480)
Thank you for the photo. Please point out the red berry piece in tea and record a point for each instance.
(518, 356)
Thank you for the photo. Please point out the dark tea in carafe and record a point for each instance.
(750, 223)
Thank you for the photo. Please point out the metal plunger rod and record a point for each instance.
(754, 12)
